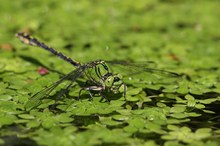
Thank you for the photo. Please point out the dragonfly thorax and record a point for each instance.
(96, 71)
(107, 79)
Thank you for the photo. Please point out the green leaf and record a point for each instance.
(6, 119)
(203, 133)
(208, 101)
(183, 88)
(199, 106)
(26, 116)
(8, 106)
(64, 118)
(177, 109)
(137, 122)
(33, 124)
(48, 123)
(109, 121)
(120, 117)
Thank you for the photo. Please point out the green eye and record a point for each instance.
(116, 79)
(109, 81)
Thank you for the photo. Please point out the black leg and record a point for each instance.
(80, 93)
(125, 89)
(103, 97)
(91, 96)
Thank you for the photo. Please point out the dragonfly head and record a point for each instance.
(115, 83)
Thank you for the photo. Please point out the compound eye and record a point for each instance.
(116, 79)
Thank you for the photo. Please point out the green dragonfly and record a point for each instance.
(99, 75)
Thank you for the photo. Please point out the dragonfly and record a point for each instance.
(99, 75)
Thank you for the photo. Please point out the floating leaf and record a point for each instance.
(120, 118)
(26, 116)
(6, 119)
(177, 109)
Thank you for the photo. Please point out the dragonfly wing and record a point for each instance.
(36, 99)
(127, 64)
(143, 72)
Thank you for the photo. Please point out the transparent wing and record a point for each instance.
(134, 64)
(143, 72)
(36, 99)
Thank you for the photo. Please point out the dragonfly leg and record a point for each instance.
(103, 97)
(91, 96)
(89, 89)
(80, 93)
(125, 90)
